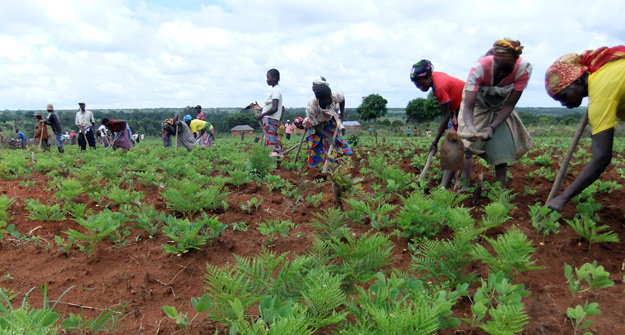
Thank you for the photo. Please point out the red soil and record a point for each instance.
(143, 277)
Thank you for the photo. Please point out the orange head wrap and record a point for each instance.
(571, 67)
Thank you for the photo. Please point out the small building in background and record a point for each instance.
(242, 129)
(352, 126)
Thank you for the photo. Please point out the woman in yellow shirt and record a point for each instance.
(199, 128)
(600, 76)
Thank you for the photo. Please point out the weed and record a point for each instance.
(588, 229)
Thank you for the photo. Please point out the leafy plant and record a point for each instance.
(315, 199)
(188, 235)
(69, 189)
(77, 210)
(588, 229)
(588, 277)
(108, 320)
(25, 319)
(182, 320)
(275, 228)
(146, 217)
(259, 163)
(502, 301)
(367, 213)
(43, 212)
(97, 227)
(238, 177)
(188, 197)
(65, 246)
(544, 219)
(5, 204)
(513, 251)
(445, 261)
(578, 315)
(332, 223)
(120, 196)
(251, 206)
(423, 215)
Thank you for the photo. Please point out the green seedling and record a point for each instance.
(251, 206)
(588, 277)
(579, 314)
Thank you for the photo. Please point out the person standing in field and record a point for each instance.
(200, 115)
(200, 128)
(121, 133)
(288, 128)
(272, 113)
(599, 75)
(55, 123)
(85, 123)
(41, 132)
(322, 116)
(22, 138)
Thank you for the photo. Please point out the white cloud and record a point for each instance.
(131, 53)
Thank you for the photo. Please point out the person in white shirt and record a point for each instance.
(85, 123)
(272, 113)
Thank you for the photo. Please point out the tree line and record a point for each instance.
(372, 109)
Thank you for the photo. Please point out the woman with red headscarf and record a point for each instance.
(492, 90)
(600, 76)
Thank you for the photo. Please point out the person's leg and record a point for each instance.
(448, 175)
(91, 138)
(500, 174)
(23, 144)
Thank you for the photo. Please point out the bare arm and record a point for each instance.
(601, 156)
(446, 113)
(467, 112)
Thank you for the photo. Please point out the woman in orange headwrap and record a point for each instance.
(492, 90)
(600, 76)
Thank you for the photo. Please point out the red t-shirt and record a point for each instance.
(117, 125)
(447, 89)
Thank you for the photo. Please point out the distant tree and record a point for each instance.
(233, 120)
(372, 107)
(397, 124)
(423, 110)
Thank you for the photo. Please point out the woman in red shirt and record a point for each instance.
(448, 92)
(122, 135)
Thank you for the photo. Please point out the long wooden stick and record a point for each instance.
(427, 165)
(176, 140)
(41, 134)
(325, 165)
(565, 163)
(299, 147)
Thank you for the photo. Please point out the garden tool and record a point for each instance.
(565, 163)
(176, 141)
(452, 152)
(299, 146)
(427, 166)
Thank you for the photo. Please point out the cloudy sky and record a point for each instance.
(175, 53)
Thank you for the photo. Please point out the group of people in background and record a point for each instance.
(116, 132)
(188, 132)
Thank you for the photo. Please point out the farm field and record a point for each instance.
(135, 232)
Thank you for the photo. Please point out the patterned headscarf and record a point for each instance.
(571, 67)
(167, 123)
(507, 50)
(421, 69)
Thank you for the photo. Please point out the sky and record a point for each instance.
(117, 54)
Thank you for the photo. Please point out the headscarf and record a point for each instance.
(570, 67)
(167, 123)
(507, 50)
(320, 80)
(187, 118)
(421, 69)
(322, 92)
